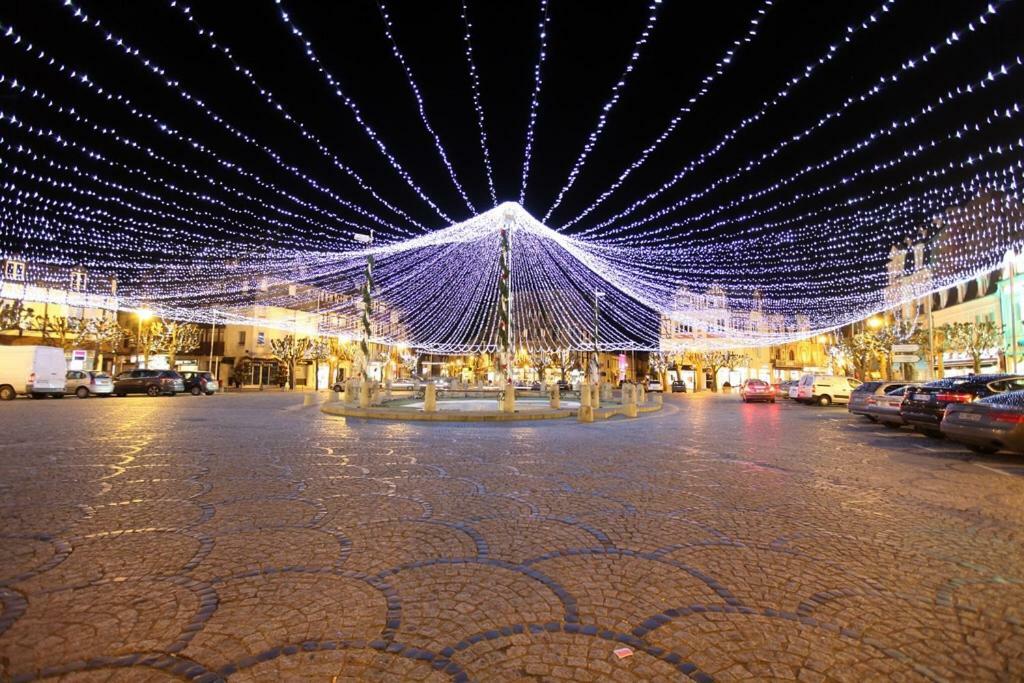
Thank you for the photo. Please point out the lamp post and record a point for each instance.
(1010, 259)
(596, 365)
(142, 314)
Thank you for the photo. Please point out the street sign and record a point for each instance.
(905, 358)
(905, 348)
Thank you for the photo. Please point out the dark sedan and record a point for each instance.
(150, 382)
(990, 425)
(924, 407)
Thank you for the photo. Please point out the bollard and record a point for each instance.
(508, 401)
(429, 398)
(586, 411)
(629, 400)
(335, 395)
(606, 391)
(595, 396)
(556, 398)
(387, 391)
(641, 395)
(364, 394)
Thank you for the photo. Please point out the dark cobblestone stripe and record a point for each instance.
(658, 620)
(14, 604)
(61, 550)
(389, 646)
(568, 601)
(711, 582)
(668, 656)
(173, 664)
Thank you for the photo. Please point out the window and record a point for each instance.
(241, 338)
(792, 355)
(261, 338)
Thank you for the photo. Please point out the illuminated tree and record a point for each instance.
(715, 360)
(974, 339)
(564, 360)
(179, 338)
(319, 351)
(290, 350)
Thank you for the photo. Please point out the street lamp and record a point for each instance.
(595, 366)
(142, 314)
(874, 322)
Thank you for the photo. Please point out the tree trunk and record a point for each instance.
(291, 375)
(977, 363)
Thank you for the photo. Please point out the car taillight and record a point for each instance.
(872, 402)
(166, 379)
(954, 398)
(1014, 418)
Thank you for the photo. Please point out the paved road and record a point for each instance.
(245, 536)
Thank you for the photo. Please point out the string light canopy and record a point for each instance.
(779, 218)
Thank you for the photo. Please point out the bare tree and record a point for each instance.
(715, 360)
(319, 351)
(290, 350)
(564, 360)
(974, 339)
(180, 338)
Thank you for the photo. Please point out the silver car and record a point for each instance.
(989, 425)
(885, 409)
(862, 394)
(86, 383)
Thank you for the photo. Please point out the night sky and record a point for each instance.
(588, 46)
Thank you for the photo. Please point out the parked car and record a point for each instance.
(654, 384)
(200, 383)
(151, 382)
(783, 389)
(794, 390)
(757, 390)
(989, 425)
(36, 371)
(825, 390)
(859, 397)
(678, 386)
(86, 383)
(885, 409)
(924, 408)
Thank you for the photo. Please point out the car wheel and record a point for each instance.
(152, 390)
(772, 401)
(933, 433)
(82, 392)
(824, 401)
(892, 425)
(210, 393)
(196, 391)
(872, 418)
(121, 395)
(7, 393)
(984, 450)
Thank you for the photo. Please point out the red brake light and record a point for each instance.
(1015, 418)
(954, 398)
(872, 402)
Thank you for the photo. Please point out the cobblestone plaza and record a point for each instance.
(248, 537)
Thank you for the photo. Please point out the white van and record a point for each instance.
(825, 389)
(31, 370)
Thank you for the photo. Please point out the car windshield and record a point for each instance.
(868, 386)
(100, 375)
(756, 383)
